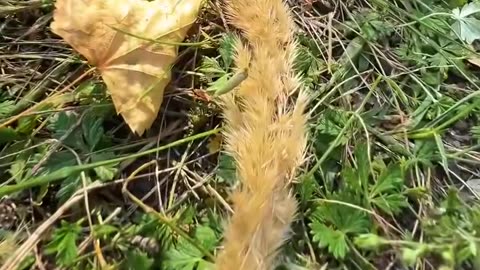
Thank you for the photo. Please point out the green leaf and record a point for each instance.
(187, 215)
(86, 88)
(137, 260)
(467, 27)
(333, 240)
(307, 64)
(351, 178)
(92, 130)
(186, 256)
(107, 172)
(390, 180)
(206, 236)
(332, 123)
(211, 67)
(63, 243)
(227, 49)
(342, 217)
(467, 10)
(390, 204)
(307, 189)
(18, 168)
(58, 161)
(62, 123)
(150, 226)
(226, 171)
(69, 186)
(26, 124)
(386, 192)
(6, 107)
(448, 256)
(8, 134)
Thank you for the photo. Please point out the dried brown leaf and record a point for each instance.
(135, 70)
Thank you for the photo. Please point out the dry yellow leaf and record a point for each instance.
(135, 70)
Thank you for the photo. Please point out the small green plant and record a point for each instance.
(64, 243)
(346, 212)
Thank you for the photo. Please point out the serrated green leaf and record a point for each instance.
(63, 243)
(69, 186)
(183, 258)
(211, 67)
(342, 217)
(26, 124)
(226, 171)
(333, 240)
(227, 49)
(332, 123)
(8, 134)
(92, 130)
(187, 215)
(386, 192)
(468, 29)
(151, 227)
(307, 189)
(137, 260)
(390, 180)
(58, 161)
(6, 107)
(186, 256)
(466, 26)
(351, 178)
(62, 123)
(390, 204)
(18, 168)
(456, 3)
(105, 173)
